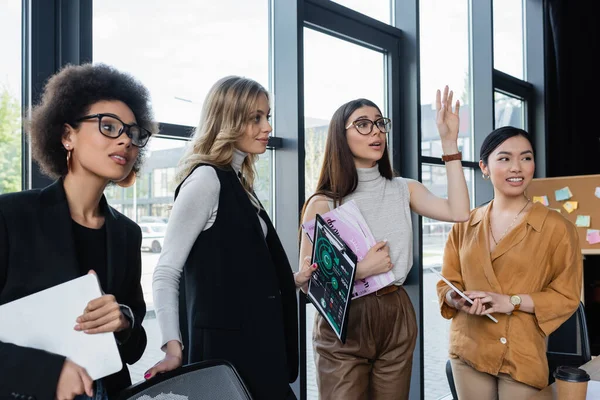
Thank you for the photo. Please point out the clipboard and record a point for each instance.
(330, 286)
(45, 321)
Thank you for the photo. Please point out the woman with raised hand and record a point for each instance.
(87, 132)
(376, 360)
(517, 260)
(239, 288)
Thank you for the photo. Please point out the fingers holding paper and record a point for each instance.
(102, 315)
(377, 261)
(303, 276)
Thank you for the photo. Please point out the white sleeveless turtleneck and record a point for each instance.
(385, 204)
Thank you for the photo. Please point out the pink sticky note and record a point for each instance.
(593, 237)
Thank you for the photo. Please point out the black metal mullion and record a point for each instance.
(60, 34)
(509, 84)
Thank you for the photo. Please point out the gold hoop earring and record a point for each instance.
(128, 181)
(485, 177)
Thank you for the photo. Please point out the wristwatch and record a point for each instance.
(515, 300)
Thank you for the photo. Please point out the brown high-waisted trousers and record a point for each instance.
(376, 360)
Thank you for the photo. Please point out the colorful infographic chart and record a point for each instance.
(330, 287)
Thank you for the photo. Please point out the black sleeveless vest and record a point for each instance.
(238, 297)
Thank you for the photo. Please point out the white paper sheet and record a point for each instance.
(45, 320)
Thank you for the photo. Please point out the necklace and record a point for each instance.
(510, 226)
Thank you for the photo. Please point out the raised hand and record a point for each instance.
(447, 121)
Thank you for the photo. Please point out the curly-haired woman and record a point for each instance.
(88, 131)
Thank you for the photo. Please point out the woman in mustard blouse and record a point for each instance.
(517, 260)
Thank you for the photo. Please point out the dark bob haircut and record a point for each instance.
(68, 95)
(499, 136)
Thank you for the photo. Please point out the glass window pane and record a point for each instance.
(329, 85)
(508, 37)
(148, 203)
(443, 22)
(436, 329)
(378, 9)
(509, 111)
(179, 49)
(10, 97)
(326, 87)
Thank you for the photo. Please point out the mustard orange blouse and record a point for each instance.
(540, 257)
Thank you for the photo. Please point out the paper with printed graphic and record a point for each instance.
(348, 222)
(563, 194)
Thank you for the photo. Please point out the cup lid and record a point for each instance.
(571, 374)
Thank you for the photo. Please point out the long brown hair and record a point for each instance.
(338, 177)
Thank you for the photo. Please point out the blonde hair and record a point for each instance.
(226, 112)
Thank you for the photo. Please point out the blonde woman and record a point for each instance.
(239, 288)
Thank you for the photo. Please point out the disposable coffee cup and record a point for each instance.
(571, 383)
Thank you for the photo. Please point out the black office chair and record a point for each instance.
(569, 344)
(210, 380)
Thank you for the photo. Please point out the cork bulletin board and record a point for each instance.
(583, 191)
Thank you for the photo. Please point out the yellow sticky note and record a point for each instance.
(570, 206)
(583, 221)
(541, 199)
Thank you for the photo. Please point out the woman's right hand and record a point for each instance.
(376, 261)
(456, 301)
(171, 361)
(73, 381)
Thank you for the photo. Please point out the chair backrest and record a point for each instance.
(569, 344)
(211, 380)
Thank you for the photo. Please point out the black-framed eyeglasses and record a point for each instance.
(111, 126)
(364, 126)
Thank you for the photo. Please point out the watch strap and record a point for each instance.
(452, 157)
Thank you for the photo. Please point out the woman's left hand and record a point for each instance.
(102, 315)
(494, 302)
(447, 121)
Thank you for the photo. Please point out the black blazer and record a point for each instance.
(37, 252)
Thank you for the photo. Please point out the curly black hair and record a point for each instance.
(68, 95)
